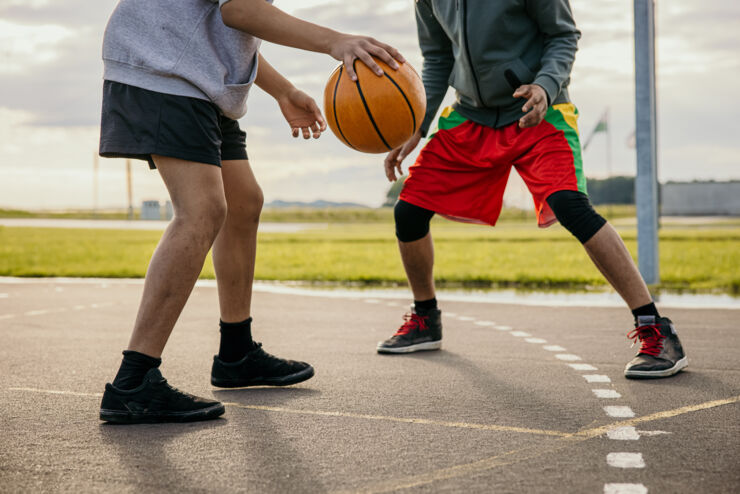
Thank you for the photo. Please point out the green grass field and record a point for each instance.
(514, 254)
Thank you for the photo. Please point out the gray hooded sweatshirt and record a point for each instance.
(181, 47)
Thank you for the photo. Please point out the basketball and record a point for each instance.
(375, 114)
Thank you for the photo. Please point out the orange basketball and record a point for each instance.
(375, 114)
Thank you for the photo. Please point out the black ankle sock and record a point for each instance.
(133, 368)
(425, 305)
(236, 340)
(646, 310)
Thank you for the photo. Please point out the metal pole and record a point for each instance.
(129, 190)
(646, 184)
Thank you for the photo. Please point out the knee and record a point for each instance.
(412, 222)
(247, 209)
(574, 211)
(204, 218)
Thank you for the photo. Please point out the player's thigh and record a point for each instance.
(194, 187)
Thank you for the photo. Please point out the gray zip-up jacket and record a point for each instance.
(181, 47)
(486, 48)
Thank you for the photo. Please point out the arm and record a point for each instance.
(555, 20)
(299, 109)
(438, 60)
(269, 23)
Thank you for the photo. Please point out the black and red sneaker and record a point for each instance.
(661, 353)
(420, 331)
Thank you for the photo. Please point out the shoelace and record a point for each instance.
(412, 322)
(651, 340)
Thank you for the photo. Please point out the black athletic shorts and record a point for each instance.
(137, 123)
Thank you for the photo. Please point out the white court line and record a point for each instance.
(619, 411)
(596, 378)
(582, 367)
(625, 460)
(7, 316)
(466, 318)
(628, 433)
(450, 314)
(535, 340)
(625, 489)
(36, 312)
(502, 327)
(78, 307)
(567, 357)
(3, 295)
(393, 304)
(554, 348)
(520, 334)
(606, 393)
(484, 323)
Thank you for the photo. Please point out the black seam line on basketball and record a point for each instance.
(367, 110)
(334, 104)
(411, 109)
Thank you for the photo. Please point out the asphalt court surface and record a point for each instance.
(520, 399)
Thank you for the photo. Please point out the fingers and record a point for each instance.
(370, 62)
(533, 118)
(383, 54)
(391, 163)
(349, 59)
(523, 92)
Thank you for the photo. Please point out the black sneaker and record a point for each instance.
(258, 368)
(661, 353)
(155, 401)
(419, 332)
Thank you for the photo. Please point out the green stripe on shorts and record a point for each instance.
(565, 117)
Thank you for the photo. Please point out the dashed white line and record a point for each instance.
(3, 295)
(554, 348)
(596, 378)
(582, 367)
(450, 314)
(619, 411)
(625, 489)
(466, 318)
(535, 340)
(625, 460)
(392, 304)
(7, 316)
(623, 434)
(567, 356)
(606, 393)
(35, 312)
(371, 301)
(502, 327)
(520, 334)
(484, 323)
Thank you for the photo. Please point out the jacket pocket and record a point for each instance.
(498, 82)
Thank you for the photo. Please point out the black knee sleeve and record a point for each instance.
(412, 222)
(574, 211)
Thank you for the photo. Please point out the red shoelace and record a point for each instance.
(413, 321)
(651, 340)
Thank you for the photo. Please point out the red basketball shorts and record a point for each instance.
(461, 172)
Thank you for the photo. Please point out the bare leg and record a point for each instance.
(235, 247)
(197, 195)
(418, 261)
(611, 257)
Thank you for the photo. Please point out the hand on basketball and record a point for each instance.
(302, 113)
(395, 158)
(349, 48)
(535, 107)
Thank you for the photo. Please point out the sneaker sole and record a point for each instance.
(419, 347)
(119, 417)
(680, 364)
(295, 378)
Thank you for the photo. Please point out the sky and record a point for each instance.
(51, 81)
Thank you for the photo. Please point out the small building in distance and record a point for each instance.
(700, 198)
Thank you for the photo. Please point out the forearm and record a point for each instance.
(272, 81)
(269, 23)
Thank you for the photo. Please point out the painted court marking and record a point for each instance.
(567, 357)
(625, 489)
(619, 411)
(554, 348)
(625, 460)
(597, 378)
(520, 334)
(582, 367)
(626, 433)
(535, 340)
(606, 393)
